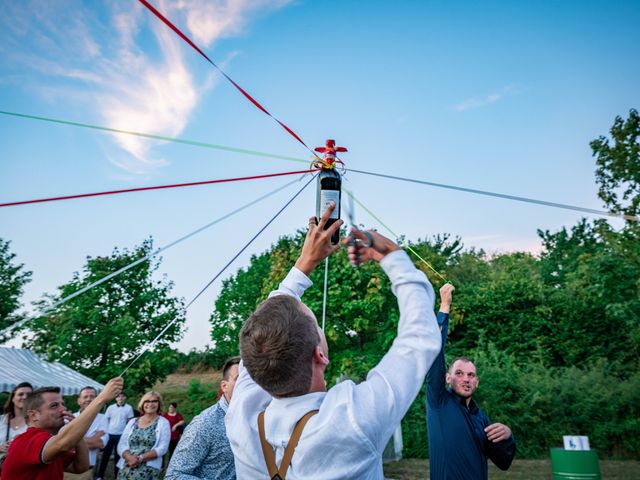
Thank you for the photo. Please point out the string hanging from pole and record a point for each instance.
(324, 291)
(217, 275)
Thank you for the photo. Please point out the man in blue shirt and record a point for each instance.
(204, 451)
(461, 437)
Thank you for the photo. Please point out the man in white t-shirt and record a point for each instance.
(96, 437)
(117, 415)
(284, 357)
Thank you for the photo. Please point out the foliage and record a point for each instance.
(556, 337)
(13, 278)
(101, 331)
(618, 166)
(199, 397)
(561, 326)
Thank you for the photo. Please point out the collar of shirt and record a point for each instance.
(282, 414)
(472, 407)
(223, 404)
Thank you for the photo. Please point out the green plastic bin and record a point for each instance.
(574, 464)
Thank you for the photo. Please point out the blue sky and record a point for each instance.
(498, 95)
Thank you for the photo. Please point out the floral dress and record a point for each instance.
(141, 441)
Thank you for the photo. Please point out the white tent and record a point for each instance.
(18, 365)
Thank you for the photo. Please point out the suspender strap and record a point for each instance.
(267, 450)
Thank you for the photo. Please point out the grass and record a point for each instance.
(414, 469)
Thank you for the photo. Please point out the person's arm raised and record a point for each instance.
(74, 432)
(380, 402)
(436, 385)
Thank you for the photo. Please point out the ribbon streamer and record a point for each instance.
(157, 187)
(238, 87)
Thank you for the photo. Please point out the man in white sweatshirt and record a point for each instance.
(284, 357)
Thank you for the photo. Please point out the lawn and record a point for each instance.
(413, 469)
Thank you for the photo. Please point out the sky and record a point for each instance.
(497, 95)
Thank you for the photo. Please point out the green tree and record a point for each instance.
(101, 331)
(13, 278)
(618, 165)
(592, 288)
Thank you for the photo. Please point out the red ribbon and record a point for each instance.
(157, 187)
(240, 89)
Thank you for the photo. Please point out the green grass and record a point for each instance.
(413, 469)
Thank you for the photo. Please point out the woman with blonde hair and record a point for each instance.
(144, 441)
(12, 423)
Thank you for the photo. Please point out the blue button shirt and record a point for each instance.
(458, 444)
(204, 450)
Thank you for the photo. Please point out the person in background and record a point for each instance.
(12, 422)
(117, 414)
(144, 441)
(96, 437)
(46, 450)
(204, 451)
(176, 422)
(461, 437)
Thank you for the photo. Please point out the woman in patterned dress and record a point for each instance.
(144, 441)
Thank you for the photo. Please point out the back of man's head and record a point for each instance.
(277, 343)
(35, 399)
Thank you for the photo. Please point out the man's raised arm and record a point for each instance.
(436, 385)
(384, 398)
(75, 431)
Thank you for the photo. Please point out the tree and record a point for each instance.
(13, 278)
(101, 331)
(618, 166)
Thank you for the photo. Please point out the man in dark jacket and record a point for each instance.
(461, 437)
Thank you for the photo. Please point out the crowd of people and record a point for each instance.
(275, 417)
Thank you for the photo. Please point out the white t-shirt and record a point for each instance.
(118, 417)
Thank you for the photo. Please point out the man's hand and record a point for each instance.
(317, 246)
(111, 390)
(4, 447)
(68, 416)
(446, 294)
(369, 245)
(497, 432)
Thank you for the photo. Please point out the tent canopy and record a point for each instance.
(19, 365)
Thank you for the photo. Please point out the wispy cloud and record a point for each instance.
(478, 102)
(91, 54)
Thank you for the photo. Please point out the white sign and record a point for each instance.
(576, 442)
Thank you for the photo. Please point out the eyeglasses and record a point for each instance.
(151, 401)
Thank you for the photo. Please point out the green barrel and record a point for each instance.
(574, 464)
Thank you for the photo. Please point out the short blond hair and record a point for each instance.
(147, 396)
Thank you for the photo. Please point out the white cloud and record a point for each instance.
(477, 102)
(208, 21)
(127, 87)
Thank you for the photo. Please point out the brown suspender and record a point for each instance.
(267, 450)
